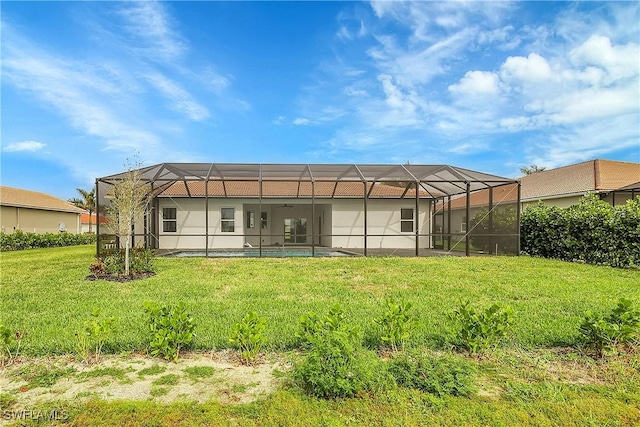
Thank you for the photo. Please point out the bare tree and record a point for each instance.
(128, 199)
(528, 170)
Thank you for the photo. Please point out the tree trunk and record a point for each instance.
(126, 256)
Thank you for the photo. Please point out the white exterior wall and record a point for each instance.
(383, 218)
(336, 216)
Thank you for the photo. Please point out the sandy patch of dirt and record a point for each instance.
(195, 377)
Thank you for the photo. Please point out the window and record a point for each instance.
(228, 220)
(406, 220)
(463, 225)
(251, 219)
(263, 219)
(169, 222)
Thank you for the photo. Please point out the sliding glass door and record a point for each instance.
(295, 230)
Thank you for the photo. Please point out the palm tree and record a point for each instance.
(87, 202)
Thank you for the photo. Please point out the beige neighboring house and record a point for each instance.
(36, 212)
(613, 181)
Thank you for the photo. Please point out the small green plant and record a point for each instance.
(169, 379)
(441, 375)
(396, 323)
(196, 372)
(248, 336)
(171, 329)
(93, 335)
(619, 327)
(152, 370)
(312, 324)
(480, 330)
(9, 339)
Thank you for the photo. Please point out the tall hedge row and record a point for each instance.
(19, 240)
(592, 231)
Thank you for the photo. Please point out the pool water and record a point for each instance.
(269, 253)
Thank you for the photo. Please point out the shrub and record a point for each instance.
(171, 329)
(248, 336)
(338, 366)
(592, 231)
(396, 323)
(141, 260)
(93, 335)
(311, 324)
(442, 375)
(19, 240)
(619, 327)
(479, 330)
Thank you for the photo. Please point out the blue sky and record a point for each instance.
(491, 86)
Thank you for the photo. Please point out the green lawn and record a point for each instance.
(44, 294)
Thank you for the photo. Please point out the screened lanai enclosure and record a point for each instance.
(223, 209)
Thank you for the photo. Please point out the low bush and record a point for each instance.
(93, 335)
(171, 329)
(248, 336)
(396, 323)
(621, 326)
(311, 324)
(480, 330)
(19, 240)
(141, 261)
(336, 364)
(439, 375)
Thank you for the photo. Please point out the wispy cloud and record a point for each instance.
(180, 99)
(149, 24)
(31, 146)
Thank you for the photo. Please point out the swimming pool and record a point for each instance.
(269, 253)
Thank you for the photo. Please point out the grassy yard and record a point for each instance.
(44, 294)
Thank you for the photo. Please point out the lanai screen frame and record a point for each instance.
(429, 182)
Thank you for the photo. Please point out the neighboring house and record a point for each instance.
(365, 208)
(36, 212)
(565, 186)
(614, 181)
(84, 221)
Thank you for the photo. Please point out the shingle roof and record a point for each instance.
(35, 200)
(590, 176)
(285, 189)
(580, 178)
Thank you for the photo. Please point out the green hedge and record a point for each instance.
(592, 231)
(19, 240)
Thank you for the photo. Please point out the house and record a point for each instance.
(88, 223)
(36, 212)
(614, 181)
(365, 209)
